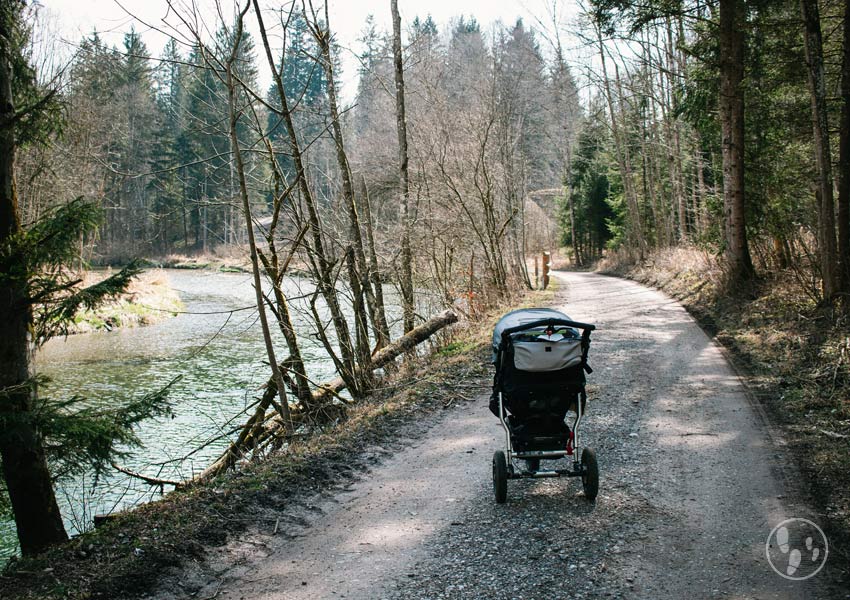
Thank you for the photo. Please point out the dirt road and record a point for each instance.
(692, 483)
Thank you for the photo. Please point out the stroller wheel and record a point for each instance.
(533, 464)
(590, 479)
(500, 477)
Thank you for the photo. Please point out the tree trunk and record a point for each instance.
(635, 228)
(384, 356)
(249, 436)
(576, 252)
(820, 125)
(361, 324)
(732, 23)
(702, 205)
(404, 178)
(380, 316)
(28, 481)
(358, 268)
(844, 161)
(249, 223)
(276, 272)
(677, 175)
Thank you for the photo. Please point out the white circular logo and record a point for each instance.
(796, 549)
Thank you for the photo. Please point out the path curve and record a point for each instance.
(691, 485)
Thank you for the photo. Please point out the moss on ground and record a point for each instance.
(794, 356)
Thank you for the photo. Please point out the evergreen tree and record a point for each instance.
(303, 81)
(521, 73)
(375, 67)
(207, 145)
(38, 297)
(166, 185)
(135, 136)
(598, 214)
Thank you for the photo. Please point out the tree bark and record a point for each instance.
(381, 326)
(703, 218)
(732, 23)
(275, 271)
(384, 356)
(844, 161)
(404, 178)
(358, 268)
(28, 482)
(579, 261)
(635, 228)
(677, 174)
(820, 125)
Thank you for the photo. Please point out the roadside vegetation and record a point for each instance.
(793, 355)
(716, 167)
(134, 552)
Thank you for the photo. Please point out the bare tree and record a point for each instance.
(406, 275)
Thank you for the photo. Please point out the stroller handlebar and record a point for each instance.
(586, 327)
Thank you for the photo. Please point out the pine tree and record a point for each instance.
(138, 118)
(42, 439)
(166, 186)
(303, 81)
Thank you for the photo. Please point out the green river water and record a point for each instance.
(221, 359)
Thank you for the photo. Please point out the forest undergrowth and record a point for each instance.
(793, 355)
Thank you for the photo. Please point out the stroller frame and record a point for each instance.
(584, 459)
(578, 469)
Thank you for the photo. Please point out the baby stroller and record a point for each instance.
(540, 361)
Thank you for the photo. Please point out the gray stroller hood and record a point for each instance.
(521, 317)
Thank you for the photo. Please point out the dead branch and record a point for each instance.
(259, 430)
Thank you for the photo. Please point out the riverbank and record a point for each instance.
(188, 528)
(149, 299)
(794, 358)
(229, 262)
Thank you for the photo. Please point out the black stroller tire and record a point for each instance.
(533, 464)
(500, 476)
(590, 478)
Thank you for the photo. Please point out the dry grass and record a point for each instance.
(149, 299)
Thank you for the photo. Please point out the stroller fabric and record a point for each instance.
(541, 373)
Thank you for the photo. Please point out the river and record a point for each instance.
(220, 359)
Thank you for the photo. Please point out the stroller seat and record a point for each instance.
(543, 432)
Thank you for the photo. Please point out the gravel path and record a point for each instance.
(691, 485)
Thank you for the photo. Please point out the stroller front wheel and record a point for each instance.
(500, 477)
(590, 478)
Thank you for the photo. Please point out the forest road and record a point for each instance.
(692, 483)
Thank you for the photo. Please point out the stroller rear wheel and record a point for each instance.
(500, 477)
(590, 478)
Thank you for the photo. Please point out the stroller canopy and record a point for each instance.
(520, 317)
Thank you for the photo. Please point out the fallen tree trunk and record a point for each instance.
(387, 354)
(260, 428)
